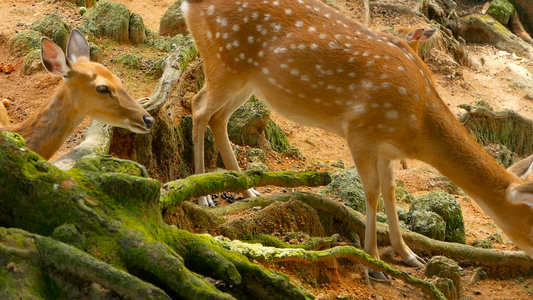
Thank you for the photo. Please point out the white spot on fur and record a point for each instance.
(299, 24)
(402, 90)
(261, 53)
(210, 10)
(288, 11)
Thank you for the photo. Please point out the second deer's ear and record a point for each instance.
(53, 58)
(78, 46)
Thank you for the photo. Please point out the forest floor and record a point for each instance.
(493, 81)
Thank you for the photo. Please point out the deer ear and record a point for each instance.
(522, 194)
(428, 33)
(53, 58)
(415, 35)
(78, 46)
(522, 168)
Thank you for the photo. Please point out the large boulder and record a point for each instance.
(501, 10)
(108, 19)
(444, 205)
(55, 28)
(429, 224)
(23, 42)
(173, 22)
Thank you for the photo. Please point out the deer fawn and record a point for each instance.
(318, 67)
(88, 89)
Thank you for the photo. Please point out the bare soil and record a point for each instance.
(493, 82)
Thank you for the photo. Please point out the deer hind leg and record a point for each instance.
(388, 190)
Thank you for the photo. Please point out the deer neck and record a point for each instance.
(459, 157)
(46, 130)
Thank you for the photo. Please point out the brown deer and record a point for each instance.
(318, 67)
(88, 89)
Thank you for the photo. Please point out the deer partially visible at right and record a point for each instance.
(318, 67)
(88, 89)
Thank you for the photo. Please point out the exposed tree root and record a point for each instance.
(498, 263)
(113, 209)
(271, 254)
(204, 184)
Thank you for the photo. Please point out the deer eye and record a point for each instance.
(103, 89)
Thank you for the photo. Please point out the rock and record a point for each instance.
(501, 10)
(247, 124)
(255, 155)
(32, 63)
(448, 208)
(444, 267)
(173, 22)
(348, 186)
(276, 137)
(484, 29)
(107, 19)
(96, 53)
(257, 166)
(429, 224)
(137, 29)
(483, 243)
(23, 42)
(129, 60)
(448, 288)
(68, 234)
(479, 274)
(55, 28)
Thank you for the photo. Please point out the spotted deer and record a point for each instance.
(318, 67)
(414, 37)
(88, 89)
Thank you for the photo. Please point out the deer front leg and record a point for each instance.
(199, 124)
(388, 190)
(219, 126)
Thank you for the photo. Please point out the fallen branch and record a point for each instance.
(181, 190)
(271, 254)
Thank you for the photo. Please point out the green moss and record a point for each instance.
(107, 19)
(32, 62)
(501, 10)
(276, 137)
(444, 205)
(21, 43)
(129, 60)
(55, 28)
(137, 29)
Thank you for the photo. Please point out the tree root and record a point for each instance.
(498, 263)
(72, 262)
(314, 243)
(271, 254)
(181, 190)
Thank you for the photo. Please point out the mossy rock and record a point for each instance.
(257, 166)
(348, 186)
(276, 137)
(108, 19)
(55, 28)
(256, 155)
(129, 60)
(501, 10)
(247, 124)
(69, 234)
(95, 53)
(429, 224)
(23, 42)
(444, 267)
(448, 208)
(137, 29)
(173, 21)
(448, 288)
(483, 243)
(32, 63)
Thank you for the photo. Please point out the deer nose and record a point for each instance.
(148, 121)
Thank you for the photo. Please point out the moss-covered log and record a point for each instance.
(114, 221)
(181, 190)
